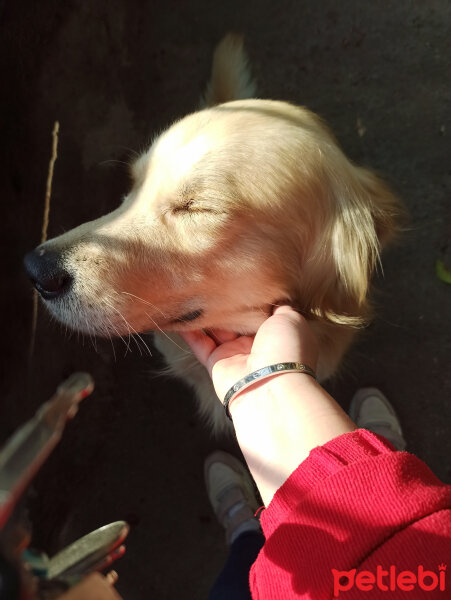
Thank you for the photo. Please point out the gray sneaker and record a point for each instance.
(371, 410)
(232, 494)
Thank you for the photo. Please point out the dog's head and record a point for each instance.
(232, 209)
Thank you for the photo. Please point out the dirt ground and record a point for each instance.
(115, 73)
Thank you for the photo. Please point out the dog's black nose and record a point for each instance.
(44, 268)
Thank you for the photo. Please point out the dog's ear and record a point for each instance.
(367, 216)
(387, 211)
(231, 77)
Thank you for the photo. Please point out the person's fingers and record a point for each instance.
(237, 349)
(284, 309)
(222, 335)
(92, 587)
(288, 312)
(285, 337)
(201, 344)
(112, 577)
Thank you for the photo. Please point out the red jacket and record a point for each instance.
(356, 520)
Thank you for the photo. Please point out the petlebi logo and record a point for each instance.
(389, 579)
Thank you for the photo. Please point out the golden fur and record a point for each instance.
(234, 208)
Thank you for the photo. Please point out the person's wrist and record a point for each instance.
(262, 374)
(267, 392)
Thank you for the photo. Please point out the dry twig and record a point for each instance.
(45, 224)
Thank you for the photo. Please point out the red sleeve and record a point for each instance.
(355, 506)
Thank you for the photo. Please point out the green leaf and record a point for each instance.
(442, 272)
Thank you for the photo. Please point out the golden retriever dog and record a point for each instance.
(233, 209)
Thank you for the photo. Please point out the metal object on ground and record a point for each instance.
(92, 552)
(29, 447)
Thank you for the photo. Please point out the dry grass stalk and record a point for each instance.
(45, 224)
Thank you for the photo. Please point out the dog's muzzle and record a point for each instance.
(46, 272)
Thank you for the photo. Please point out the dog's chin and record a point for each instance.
(98, 321)
(107, 320)
(110, 322)
(242, 321)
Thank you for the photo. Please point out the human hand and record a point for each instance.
(284, 417)
(94, 587)
(286, 336)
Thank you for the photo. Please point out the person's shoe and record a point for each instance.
(231, 493)
(371, 410)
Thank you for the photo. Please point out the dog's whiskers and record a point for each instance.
(130, 150)
(121, 337)
(113, 161)
(150, 318)
(146, 302)
(126, 324)
(91, 337)
(130, 328)
(143, 342)
(111, 339)
(167, 336)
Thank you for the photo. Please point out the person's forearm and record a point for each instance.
(278, 422)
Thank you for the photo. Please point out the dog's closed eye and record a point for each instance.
(186, 206)
(192, 206)
(191, 316)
